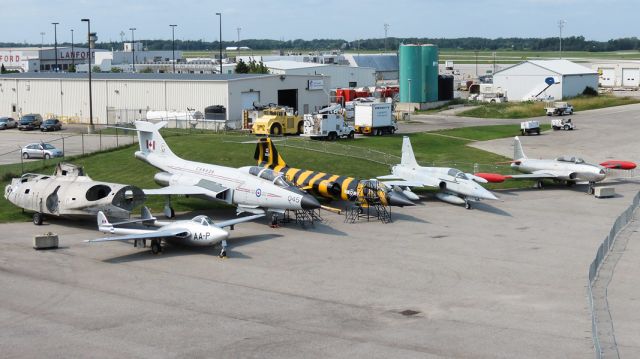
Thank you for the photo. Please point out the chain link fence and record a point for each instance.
(601, 255)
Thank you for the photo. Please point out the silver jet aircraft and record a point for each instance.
(200, 231)
(455, 186)
(213, 182)
(569, 169)
(70, 193)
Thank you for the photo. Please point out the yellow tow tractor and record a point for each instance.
(277, 121)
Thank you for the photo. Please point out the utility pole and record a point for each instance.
(73, 53)
(55, 42)
(173, 46)
(386, 32)
(133, 49)
(220, 40)
(42, 39)
(476, 52)
(88, 21)
(238, 29)
(560, 26)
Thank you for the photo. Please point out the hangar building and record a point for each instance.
(38, 59)
(544, 79)
(340, 75)
(624, 74)
(65, 95)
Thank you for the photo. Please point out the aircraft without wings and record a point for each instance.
(569, 169)
(70, 193)
(454, 186)
(213, 182)
(200, 231)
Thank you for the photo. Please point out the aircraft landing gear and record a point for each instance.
(539, 184)
(591, 189)
(223, 251)
(168, 210)
(156, 248)
(467, 204)
(38, 218)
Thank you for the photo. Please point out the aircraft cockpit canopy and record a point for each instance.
(270, 175)
(455, 173)
(203, 220)
(571, 159)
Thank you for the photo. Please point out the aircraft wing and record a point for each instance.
(211, 192)
(150, 235)
(405, 183)
(235, 221)
(539, 174)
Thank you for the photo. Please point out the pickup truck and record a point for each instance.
(559, 108)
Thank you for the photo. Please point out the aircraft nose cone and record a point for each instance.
(484, 193)
(309, 202)
(398, 199)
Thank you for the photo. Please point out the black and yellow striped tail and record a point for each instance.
(267, 155)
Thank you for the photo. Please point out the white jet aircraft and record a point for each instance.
(213, 182)
(200, 231)
(455, 186)
(570, 169)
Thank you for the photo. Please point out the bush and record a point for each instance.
(590, 91)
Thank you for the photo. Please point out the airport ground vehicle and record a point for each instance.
(52, 124)
(7, 122)
(30, 122)
(561, 124)
(328, 124)
(277, 121)
(558, 108)
(530, 127)
(374, 118)
(40, 150)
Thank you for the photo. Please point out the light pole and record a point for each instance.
(55, 42)
(386, 31)
(133, 49)
(173, 46)
(73, 53)
(560, 26)
(220, 40)
(88, 21)
(476, 51)
(238, 29)
(42, 39)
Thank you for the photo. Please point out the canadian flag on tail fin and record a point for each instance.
(151, 145)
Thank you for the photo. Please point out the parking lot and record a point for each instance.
(505, 279)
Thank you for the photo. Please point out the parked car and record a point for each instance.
(30, 122)
(7, 122)
(52, 124)
(40, 150)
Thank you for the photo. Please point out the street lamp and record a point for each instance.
(42, 39)
(560, 26)
(386, 31)
(133, 49)
(173, 46)
(238, 29)
(55, 42)
(88, 21)
(73, 53)
(220, 40)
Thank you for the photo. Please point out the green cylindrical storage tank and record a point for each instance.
(429, 73)
(410, 73)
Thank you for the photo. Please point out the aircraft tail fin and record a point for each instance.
(267, 155)
(518, 153)
(103, 223)
(150, 140)
(408, 158)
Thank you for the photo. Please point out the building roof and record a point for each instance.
(560, 67)
(132, 76)
(290, 65)
(382, 62)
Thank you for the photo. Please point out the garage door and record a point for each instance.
(630, 77)
(249, 98)
(607, 77)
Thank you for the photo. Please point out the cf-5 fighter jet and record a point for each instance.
(70, 193)
(200, 231)
(181, 177)
(570, 169)
(454, 186)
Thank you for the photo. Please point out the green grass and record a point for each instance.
(120, 166)
(535, 109)
(502, 57)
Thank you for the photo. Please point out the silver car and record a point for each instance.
(7, 122)
(40, 150)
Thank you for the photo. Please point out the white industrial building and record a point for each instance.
(339, 75)
(544, 79)
(43, 59)
(66, 95)
(625, 74)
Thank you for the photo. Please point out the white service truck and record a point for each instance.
(329, 126)
(374, 118)
(530, 127)
(558, 108)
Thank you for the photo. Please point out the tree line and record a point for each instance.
(571, 43)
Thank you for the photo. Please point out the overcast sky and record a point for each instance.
(24, 20)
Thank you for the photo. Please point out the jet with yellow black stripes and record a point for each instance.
(326, 185)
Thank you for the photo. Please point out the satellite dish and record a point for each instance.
(550, 81)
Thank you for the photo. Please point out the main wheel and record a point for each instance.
(539, 184)
(155, 246)
(276, 130)
(38, 218)
(467, 205)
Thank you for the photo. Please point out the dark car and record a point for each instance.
(7, 122)
(30, 122)
(52, 124)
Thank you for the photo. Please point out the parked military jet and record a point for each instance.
(200, 231)
(570, 169)
(455, 186)
(70, 193)
(328, 185)
(213, 182)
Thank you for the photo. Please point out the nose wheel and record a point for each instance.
(223, 251)
(467, 204)
(591, 189)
